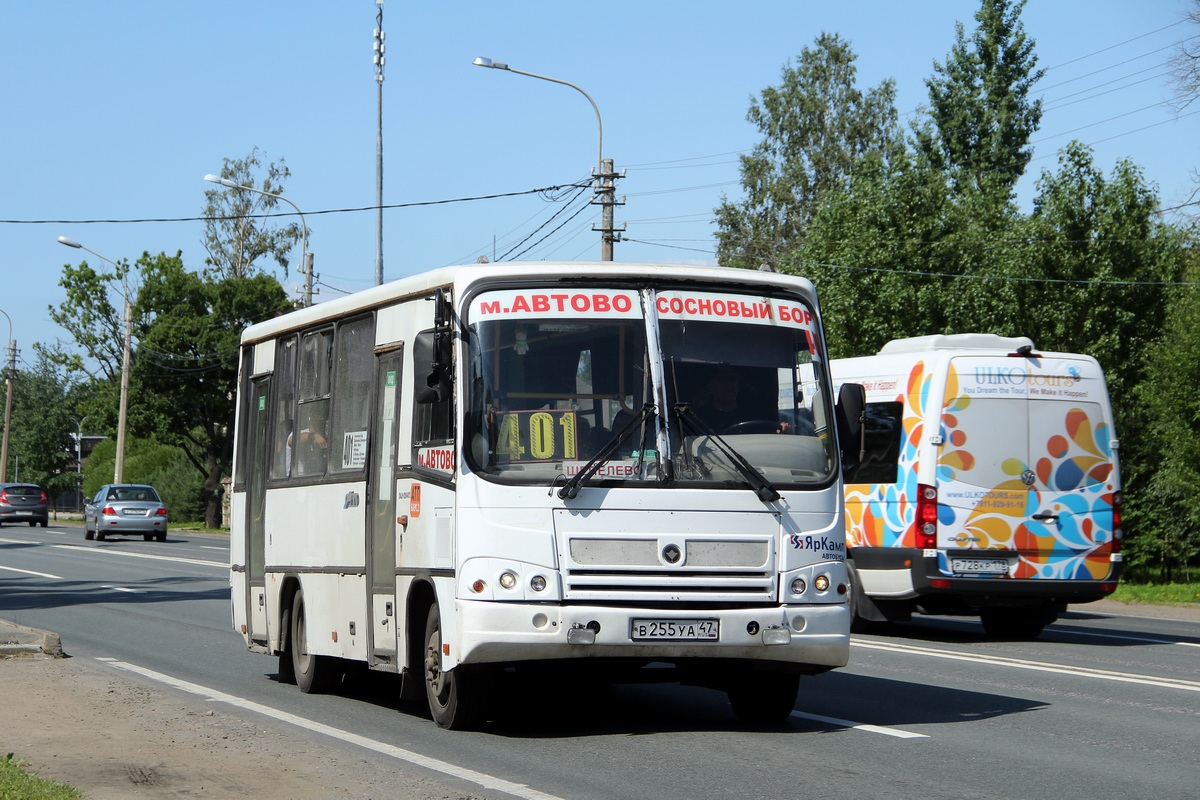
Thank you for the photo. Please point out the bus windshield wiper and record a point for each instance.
(762, 487)
(571, 487)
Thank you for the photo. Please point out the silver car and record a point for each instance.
(23, 502)
(125, 509)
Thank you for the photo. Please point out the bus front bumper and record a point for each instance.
(816, 636)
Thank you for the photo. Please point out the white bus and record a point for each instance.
(481, 468)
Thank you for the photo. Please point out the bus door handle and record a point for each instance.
(1045, 517)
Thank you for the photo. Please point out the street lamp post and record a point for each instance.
(12, 362)
(123, 408)
(305, 257)
(604, 169)
(380, 60)
(79, 459)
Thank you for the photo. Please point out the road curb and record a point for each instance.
(19, 640)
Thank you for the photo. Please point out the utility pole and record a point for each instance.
(123, 412)
(380, 48)
(606, 197)
(11, 374)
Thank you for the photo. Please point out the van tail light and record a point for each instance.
(1118, 531)
(3, 495)
(44, 500)
(162, 512)
(926, 522)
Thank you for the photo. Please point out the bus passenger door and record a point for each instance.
(381, 509)
(257, 459)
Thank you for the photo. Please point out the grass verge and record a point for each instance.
(17, 784)
(1162, 594)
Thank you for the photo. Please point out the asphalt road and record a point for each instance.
(1100, 706)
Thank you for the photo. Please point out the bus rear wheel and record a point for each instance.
(764, 698)
(456, 697)
(313, 673)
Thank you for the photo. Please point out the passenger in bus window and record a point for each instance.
(310, 443)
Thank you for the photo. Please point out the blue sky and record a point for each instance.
(116, 111)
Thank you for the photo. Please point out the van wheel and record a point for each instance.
(764, 698)
(456, 697)
(858, 623)
(1013, 623)
(313, 673)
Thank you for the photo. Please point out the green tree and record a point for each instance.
(981, 117)
(43, 427)
(1166, 516)
(816, 127)
(187, 360)
(237, 231)
(1185, 63)
(184, 365)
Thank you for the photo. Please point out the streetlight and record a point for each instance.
(123, 412)
(604, 169)
(305, 258)
(380, 60)
(79, 460)
(12, 353)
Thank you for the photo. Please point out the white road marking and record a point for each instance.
(1038, 666)
(125, 554)
(1148, 640)
(211, 547)
(444, 767)
(859, 726)
(123, 589)
(31, 572)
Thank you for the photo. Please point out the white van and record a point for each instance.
(989, 484)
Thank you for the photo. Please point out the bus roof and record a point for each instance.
(462, 276)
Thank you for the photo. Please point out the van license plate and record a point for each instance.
(675, 630)
(979, 566)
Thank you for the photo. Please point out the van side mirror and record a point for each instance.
(851, 427)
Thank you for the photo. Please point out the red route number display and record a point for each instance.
(540, 435)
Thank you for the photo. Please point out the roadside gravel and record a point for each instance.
(112, 739)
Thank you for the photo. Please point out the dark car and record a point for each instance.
(23, 502)
(125, 509)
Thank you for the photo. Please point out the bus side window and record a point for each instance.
(433, 410)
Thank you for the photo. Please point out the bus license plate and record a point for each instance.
(675, 630)
(979, 566)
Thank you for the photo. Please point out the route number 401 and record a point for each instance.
(543, 435)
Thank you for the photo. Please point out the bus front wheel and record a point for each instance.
(456, 697)
(313, 673)
(764, 698)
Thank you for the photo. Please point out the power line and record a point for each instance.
(543, 190)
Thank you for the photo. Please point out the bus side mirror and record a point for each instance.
(431, 356)
(851, 428)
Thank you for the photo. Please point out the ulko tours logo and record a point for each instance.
(1020, 376)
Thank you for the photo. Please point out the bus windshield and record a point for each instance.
(667, 387)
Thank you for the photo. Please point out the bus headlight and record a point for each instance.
(799, 586)
(508, 580)
(821, 582)
(537, 583)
